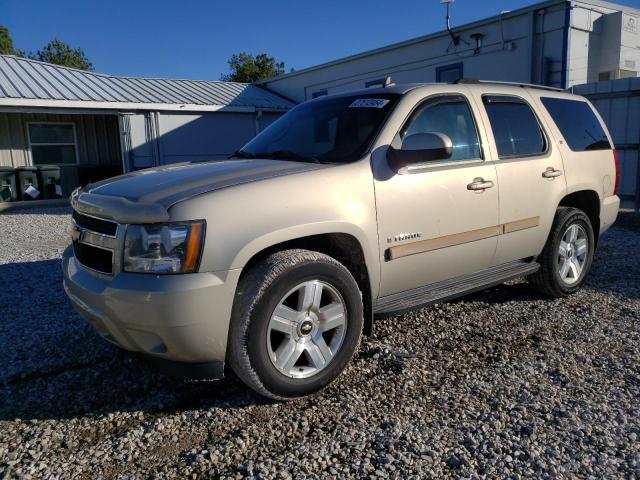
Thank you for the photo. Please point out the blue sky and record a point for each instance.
(194, 38)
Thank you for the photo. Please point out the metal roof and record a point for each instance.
(25, 82)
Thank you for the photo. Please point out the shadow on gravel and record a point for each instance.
(58, 210)
(55, 366)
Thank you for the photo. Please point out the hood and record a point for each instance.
(146, 195)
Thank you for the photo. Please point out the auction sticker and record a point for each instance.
(369, 103)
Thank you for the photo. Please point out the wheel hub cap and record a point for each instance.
(306, 329)
(572, 254)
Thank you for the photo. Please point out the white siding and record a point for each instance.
(509, 52)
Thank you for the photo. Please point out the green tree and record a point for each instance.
(248, 69)
(6, 43)
(60, 53)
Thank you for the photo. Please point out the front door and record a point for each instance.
(440, 220)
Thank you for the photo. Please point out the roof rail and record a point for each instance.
(515, 84)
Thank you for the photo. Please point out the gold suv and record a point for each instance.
(349, 206)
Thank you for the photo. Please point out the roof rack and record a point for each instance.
(515, 84)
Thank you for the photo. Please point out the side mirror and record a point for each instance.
(420, 148)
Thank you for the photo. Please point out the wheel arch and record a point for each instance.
(589, 202)
(343, 247)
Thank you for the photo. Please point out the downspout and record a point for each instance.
(566, 46)
(542, 13)
(256, 121)
(532, 44)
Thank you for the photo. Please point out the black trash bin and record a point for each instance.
(49, 178)
(8, 191)
(28, 177)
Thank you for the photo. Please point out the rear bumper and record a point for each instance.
(176, 318)
(609, 212)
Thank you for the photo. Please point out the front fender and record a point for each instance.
(246, 219)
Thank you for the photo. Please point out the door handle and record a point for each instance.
(480, 184)
(551, 172)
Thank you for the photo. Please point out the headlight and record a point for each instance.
(164, 247)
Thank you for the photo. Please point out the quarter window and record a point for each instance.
(578, 124)
(451, 116)
(515, 127)
(52, 143)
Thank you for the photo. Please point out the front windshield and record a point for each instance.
(331, 130)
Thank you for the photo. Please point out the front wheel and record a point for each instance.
(568, 254)
(296, 323)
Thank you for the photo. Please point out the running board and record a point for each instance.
(453, 288)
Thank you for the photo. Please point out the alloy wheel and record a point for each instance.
(306, 329)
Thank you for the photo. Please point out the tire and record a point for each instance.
(258, 348)
(550, 279)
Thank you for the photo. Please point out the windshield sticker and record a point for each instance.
(369, 103)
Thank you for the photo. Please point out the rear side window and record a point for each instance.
(515, 127)
(578, 124)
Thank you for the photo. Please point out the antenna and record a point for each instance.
(454, 38)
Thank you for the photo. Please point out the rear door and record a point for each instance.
(584, 143)
(529, 168)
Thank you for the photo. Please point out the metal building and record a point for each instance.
(95, 125)
(557, 43)
(618, 101)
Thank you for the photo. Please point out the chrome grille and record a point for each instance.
(94, 242)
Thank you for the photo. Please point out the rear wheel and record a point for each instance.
(568, 254)
(296, 323)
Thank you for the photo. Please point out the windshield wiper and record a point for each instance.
(242, 154)
(288, 155)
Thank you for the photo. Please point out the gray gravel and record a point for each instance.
(501, 384)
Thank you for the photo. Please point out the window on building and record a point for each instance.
(319, 93)
(52, 143)
(515, 127)
(450, 73)
(452, 116)
(578, 124)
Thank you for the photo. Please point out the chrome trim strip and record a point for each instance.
(437, 243)
(518, 225)
(442, 242)
(98, 240)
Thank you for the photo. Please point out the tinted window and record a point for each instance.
(451, 116)
(515, 127)
(578, 124)
(52, 143)
(331, 129)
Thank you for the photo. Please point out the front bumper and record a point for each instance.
(175, 318)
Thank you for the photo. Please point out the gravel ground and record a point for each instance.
(501, 384)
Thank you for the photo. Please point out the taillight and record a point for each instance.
(617, 165)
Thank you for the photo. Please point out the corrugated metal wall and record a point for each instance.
(618, 102)
(159, 138)
(97, 137)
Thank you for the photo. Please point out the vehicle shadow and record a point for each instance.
(55, 366)
(39, 210)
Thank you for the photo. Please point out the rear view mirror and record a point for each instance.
(420, 148)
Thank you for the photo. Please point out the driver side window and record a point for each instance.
(452, 116)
